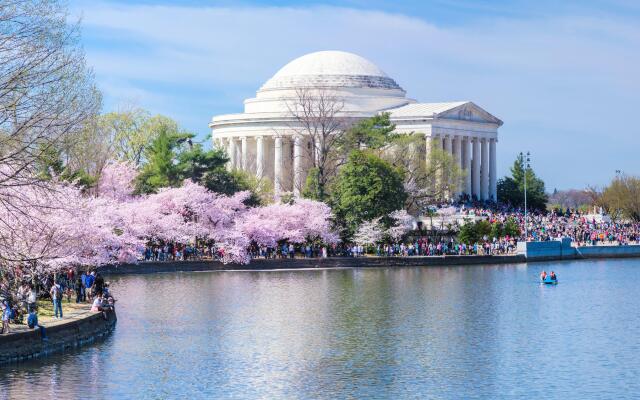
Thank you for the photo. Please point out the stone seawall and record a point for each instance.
(304, 263)
(61, 336)
(563, 250)
(607, 251)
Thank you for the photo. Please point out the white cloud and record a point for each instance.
(551, 80)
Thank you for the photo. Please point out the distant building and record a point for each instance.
(261, 139)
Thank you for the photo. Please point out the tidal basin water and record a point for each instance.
(441, 333)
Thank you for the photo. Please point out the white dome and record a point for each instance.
(330, 69)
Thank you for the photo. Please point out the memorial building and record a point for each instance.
(264, 141)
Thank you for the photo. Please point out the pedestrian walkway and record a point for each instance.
(71, 312)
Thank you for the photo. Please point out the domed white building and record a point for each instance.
(266, 139)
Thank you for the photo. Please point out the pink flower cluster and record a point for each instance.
(59, 226)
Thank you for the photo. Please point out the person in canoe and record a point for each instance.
(553, 277)
(543, 276)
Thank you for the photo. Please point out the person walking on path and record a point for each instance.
(56, 296)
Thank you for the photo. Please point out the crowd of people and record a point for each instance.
(582, 228)
(79, 286)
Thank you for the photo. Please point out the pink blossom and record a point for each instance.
(116, 180)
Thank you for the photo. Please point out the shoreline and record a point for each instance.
(287, 264)
(78, 331)
(280, 264)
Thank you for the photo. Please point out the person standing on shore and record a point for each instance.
(56, 296)
(98, 284)
(79, 289)
(32, 297)
(88, 284)
(83, 278)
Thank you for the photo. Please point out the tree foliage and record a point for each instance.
(366, 188)
(621, 199)
(474, 232)
(511, 188)
(46, 91)
(369, 133)
(173, 157)
(160, 170)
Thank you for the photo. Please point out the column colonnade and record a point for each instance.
(476, 156)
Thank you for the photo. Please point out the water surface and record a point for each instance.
(435, 332)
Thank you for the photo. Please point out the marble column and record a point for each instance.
(493, 188)
(245, 162)
(436, 143)
(277, 166)
(427, 149)
(484, 170)
(232, 154)
(447, 144)
(457, 156)
(297, 165)
(259, 157)
(238, 147)
(475, 168)
(466, 164)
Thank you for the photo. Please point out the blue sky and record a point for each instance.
(563, 76)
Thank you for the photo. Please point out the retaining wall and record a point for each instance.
(551, 250)
(302, 263)
(529, 251)
(563, 250)
(607, 251)
(24, 345)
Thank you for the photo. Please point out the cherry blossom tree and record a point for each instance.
(403, 224)
(369, 232)
(298, 222)
(117, 180)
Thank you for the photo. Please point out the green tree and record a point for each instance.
(473, 232)
(621, 199)
(172, 157)
(130, 132)
(511, 189)
(50, 164)
(193, 162)
(468, 233)
(160, 169)
(312, 188)
(367, 187)
(368, 133)
(511, 228)
(497, 230)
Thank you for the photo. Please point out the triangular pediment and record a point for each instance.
(468, 111)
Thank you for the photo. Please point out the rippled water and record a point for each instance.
(459, 332)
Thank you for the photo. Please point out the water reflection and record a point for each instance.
(456, 332)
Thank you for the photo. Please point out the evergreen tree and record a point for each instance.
(511, 189)
(370, 133)
(160, 170)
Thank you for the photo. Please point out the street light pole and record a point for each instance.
(526, 169)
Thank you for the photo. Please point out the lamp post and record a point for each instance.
(527, 161)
